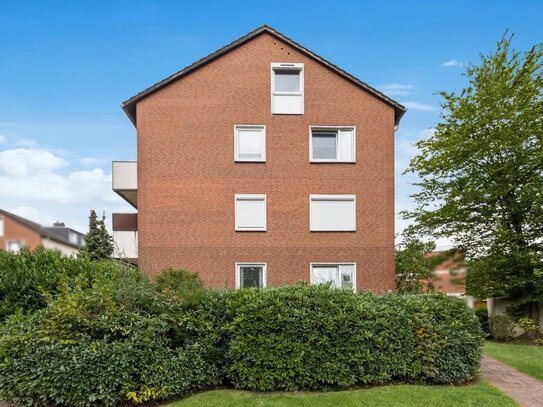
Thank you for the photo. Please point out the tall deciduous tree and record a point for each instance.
(98, 243)
(481, 174)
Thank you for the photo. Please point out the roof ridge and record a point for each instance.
(130, 108)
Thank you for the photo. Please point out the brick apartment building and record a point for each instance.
(17, 232)
(262, 164)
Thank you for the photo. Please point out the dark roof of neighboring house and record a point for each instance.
(43, 231)
(129, 106)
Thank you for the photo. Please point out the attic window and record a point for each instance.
(287, 88)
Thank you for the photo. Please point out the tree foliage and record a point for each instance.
(415, 266)
(98, 242)
(481, 174)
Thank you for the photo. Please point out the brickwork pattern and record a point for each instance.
(187, 176)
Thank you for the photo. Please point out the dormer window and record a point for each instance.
(287, 88)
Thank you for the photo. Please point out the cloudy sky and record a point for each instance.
(66, 66)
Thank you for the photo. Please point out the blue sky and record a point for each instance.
(65, 67)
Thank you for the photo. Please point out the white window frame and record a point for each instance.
(251, 264)
(2, 226)
(335, 129)
(332, 197)
(250, 197)
(332, 264)
(287, 66)
(22, 244)
(236, 142)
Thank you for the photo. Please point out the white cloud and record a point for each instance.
(397, 89)
(419, 106)
(452, 62)
(2, 138)
(90, 161)
(35, 174)
(24, 162)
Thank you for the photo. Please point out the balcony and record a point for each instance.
(125, 237)
(125, 181)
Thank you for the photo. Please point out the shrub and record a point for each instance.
(531, 330)
(119, 338)
(302, 337)
(87, 347)
(180, 286)
(501, 327)
(27, 277)
(482, 314)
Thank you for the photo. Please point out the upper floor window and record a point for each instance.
(332, 213)
(250, 212)
(250, 143)
(287, 88)
(1, 226)
(73, 237)
(332, 144)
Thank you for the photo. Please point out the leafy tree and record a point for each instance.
(415, 266)
(98, 242)
(481, 174)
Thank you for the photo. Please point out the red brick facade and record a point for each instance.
(14, 230)
(187, 177)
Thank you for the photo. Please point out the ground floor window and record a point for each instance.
(340, 275)
(250, 275)
(14, 246)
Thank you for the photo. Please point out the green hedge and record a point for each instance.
(95, 345)
(303, 337)
(116, 337)
(26, 278)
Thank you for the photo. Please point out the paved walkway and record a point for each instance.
(525, 390)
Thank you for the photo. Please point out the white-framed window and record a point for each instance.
(332, 213)
(250, 143)
(14, 245)
(250, 212)
(332, 144)
(250, 275)
(341, 275)
(1, 226)
(287, 88)
(73, 237)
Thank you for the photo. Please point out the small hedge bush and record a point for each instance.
(27, 277)
(115, 338)
(501, 327)
(302, 337)
(94, 345)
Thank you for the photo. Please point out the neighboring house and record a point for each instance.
(450, 276)
(262, 164)
(17, 232)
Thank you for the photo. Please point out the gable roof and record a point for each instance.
(129, 106)
(43, 231)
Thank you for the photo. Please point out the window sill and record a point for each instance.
(331, 162)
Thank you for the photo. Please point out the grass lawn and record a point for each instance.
(480, 395)
(525, 358)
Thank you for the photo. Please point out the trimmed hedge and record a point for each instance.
(117, 338)
(301, 337)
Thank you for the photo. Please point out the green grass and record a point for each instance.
(480, 395)
(525, 358)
